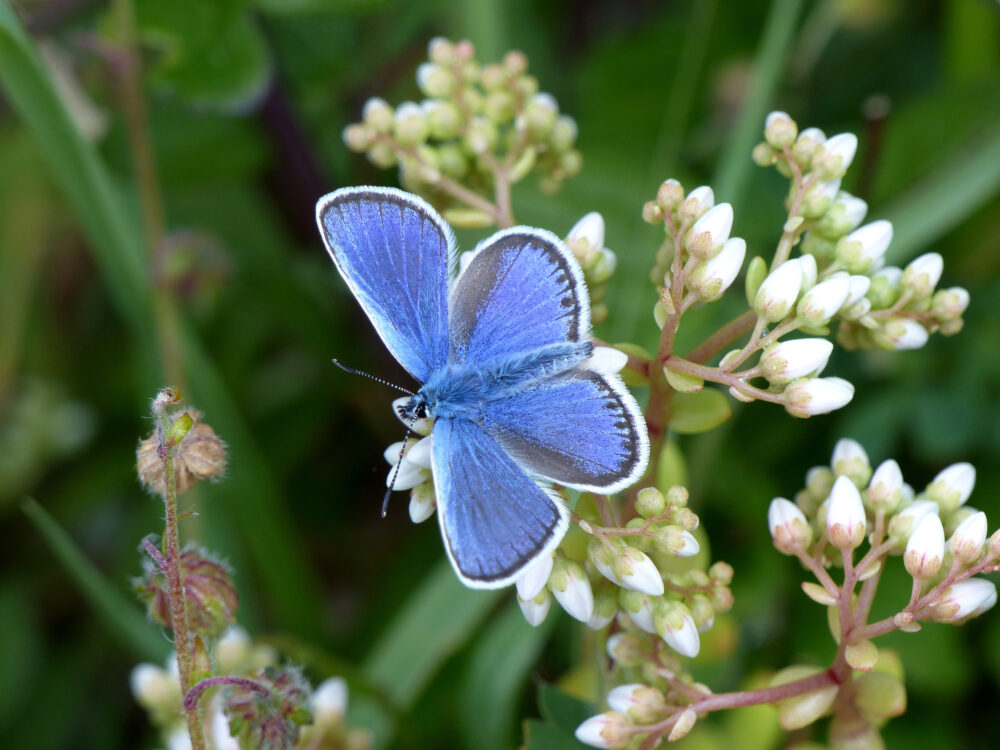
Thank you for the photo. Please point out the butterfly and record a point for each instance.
(502, 351)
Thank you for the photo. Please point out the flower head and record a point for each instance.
(811, 396)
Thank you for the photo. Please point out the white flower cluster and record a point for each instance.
(843, 503)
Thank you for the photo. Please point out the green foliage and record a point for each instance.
(677, 90)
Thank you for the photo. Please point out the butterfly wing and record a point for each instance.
(395, 253)
(522, 290)
(494, 518)
(580, 428)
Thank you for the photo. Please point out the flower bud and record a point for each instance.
(864, 248)
(789, 527)
(845, 516)
(481, 135)
(884, 290)
(780, 130)
(586, 238)
(409, 126)
(698, 201)
(670, 194)
(209, 592)
(563, 134)
(329, 701)
(269, 715)
(833, 158)
(968, 598)
(637, 571)
(952, 486)
(709, 280)
(435, 81)
(610, 729)
(539, 116)
(676, 541)
(534, 577)
(803, 710)
(605, 607)
(789, 360)
(811, 396)
(442, 51)
(846, 213)
(967, 543)
(199, 455)
(905, 521)
(444, 118)
(880, 695)
(818, 199)
(708, 234)
(535, 609)
(923, 274)
(357, 137)
(639, 608)
(639, 702)
(885, 489)
(650, 502)
(684, 724)
(676, 627)
(806, 144)
(423, 502)
(850, 459)
(823, 301)
(571, 589)
(949, 304)
(925, 548)
(819, 482)
(378, 115)
(778, 291)
(155, 689)
(626, 649)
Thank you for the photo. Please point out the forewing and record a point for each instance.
(522, 290)
(494, 518)
(581, 428)
(395, 252)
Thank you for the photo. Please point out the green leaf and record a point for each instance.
(769, 67)
(114, 235)
(211, 54)
(944, 198)
(672, 468)
(682, 382)
(440, 616)
(117, 611)
(544, 735)
(561, 708)
(699, 412)
(494, 679)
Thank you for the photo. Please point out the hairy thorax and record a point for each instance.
(460, 389)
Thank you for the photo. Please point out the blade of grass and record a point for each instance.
(769, 66)
(968, 179)
(75, 167)
(119, 614)
(498, 669)
(433, 624)
(112, 229)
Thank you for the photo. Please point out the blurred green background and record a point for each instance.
(247, 100)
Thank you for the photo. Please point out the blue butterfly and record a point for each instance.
(501, 350)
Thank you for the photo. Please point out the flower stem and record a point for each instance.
(175, 584)
(192, 696)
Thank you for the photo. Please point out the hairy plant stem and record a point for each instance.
(193, 695)
(175, 587)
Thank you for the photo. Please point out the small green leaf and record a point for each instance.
(543, 735)
(494, 680)
(683, 382)
(433, 624)
(699, 412)
(756, 273)
(561, 708)
(111, 605)
(671, 467)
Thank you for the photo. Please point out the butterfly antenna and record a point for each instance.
(395, 473)
(351, 370)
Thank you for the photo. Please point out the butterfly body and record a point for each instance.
(502, 351)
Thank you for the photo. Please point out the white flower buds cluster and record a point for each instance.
(848, 499)
(622, 573)
(470, 110)
(703, 230)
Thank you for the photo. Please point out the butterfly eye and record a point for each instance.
(420, 411)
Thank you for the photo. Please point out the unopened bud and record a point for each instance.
(271, 713)
(199, 455)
